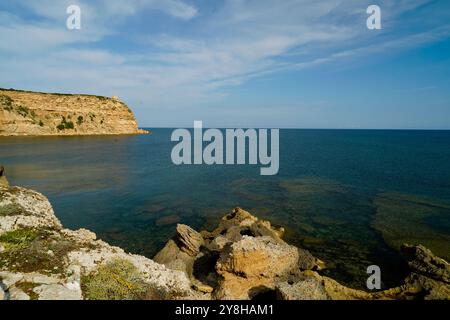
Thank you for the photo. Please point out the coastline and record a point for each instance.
(243, 258)
(140, 132)
(26, 113)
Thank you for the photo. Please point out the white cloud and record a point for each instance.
(110, 9)
(241, 40)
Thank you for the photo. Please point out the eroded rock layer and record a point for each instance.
(43, 114)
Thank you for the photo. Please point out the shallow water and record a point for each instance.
(350, 196)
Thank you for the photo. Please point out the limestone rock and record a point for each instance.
(9, 279)
(237, 224)
(188, 240)
(307, 261)
(3, 181)
(421, 260)
(17, 294)
(173, 258)
(308, 289)
(29, 209)
(81, 236)
(258, 257)
(180, 252)
(34, 113)
(39, 278)
(57, 292)
(253, 264)
(81, 253)
(169, 281)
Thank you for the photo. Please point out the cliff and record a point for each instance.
(243, 258)
(44, 114)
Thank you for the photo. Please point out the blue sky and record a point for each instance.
(240, 63)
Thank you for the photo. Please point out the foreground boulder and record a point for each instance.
(246, 258)
(253, 265)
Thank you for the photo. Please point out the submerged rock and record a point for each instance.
(423, 225)
(244, 258)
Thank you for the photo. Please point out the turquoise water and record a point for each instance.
(349, 196)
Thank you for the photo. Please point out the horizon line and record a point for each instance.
(299, 128)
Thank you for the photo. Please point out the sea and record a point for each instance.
(351, 197)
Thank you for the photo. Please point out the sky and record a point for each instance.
(240, 63)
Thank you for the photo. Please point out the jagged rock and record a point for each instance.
(219, 243)
(308, 289)
(240, 222)
(422, 287)
(180, 252)
(307, 261)
(237, 224)
(3, 181)
(17, 294)
(188, 240)
(421, 260)
(173, 258)
(258, 257)
(40, 278)
(81, 236)
(252, 263)
(9, 279)
(57, 292)
(415, 287)
(28, 209)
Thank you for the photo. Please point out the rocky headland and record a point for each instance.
(243, 258)
(25, 113)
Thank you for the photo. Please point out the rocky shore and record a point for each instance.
(243, 258)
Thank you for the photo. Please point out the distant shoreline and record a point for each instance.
(26, 113)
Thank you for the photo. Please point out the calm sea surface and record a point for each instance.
(350, 196)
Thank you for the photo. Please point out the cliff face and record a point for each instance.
(32, 113)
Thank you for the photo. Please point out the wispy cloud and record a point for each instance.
(201, 53)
